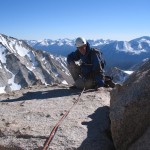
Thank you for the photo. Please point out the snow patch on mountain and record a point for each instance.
(128, 72)
(2, 54)
(127, 48)
(144, 40)
(13, 85)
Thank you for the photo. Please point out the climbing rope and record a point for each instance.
(54, 130)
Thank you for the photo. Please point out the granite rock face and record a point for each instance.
(130, 111)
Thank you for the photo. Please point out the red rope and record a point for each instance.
(54, 130)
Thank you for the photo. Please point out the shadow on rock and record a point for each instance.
(99, 135)
(44, 95)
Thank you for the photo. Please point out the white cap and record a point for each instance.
(80, 41)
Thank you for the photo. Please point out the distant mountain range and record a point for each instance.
(44, 62)
(123, 54)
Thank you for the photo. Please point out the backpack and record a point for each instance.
(99, 53)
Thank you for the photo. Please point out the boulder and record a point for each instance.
(130, 111)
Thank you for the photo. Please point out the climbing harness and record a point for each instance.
(54, 130)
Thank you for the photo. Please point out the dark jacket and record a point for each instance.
(91, 64)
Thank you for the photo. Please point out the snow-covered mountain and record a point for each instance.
(122, 54)
(56, 47)
(62, 46)
(22, 66)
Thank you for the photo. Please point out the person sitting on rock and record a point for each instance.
(89, 73)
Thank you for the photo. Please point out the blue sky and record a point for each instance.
(92, 19)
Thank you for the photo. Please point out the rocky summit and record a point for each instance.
(106, 119)
(28, 116)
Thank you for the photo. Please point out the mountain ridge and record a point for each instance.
(124, 53)
(22, 66)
